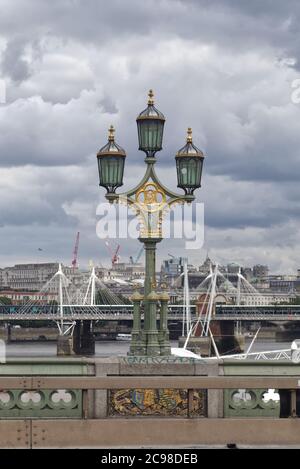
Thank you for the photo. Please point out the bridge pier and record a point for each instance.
(76, 337)
(83, 338)
(226, 339)
(65, 345)
(289, 403)
(8, 330)
(81, 342)
(87, 339)
(199, 345)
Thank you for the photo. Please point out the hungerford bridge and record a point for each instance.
(74, 311)
(116, 312)
(74, 304)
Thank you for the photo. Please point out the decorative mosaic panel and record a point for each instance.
(160, 360)
(161, 402)
(42, 404)
(251, 403)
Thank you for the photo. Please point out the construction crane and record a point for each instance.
(114, 254)
(135, 261)
(75, 252)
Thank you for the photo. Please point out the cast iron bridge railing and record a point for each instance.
(79, 312)
(31, 397)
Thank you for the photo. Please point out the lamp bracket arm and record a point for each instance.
(150, 175)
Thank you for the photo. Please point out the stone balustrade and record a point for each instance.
(90, 392)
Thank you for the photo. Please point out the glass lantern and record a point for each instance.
(150, 123)
(189, 162)
(111, 161)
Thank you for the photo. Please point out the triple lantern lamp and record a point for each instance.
(150, 124)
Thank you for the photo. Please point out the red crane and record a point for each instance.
(75, 252)
(114, 254)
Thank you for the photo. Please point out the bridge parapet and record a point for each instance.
(177, 401)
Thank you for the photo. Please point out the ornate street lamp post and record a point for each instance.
(150, 199)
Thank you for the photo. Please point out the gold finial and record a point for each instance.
(151, 97)
(189, 137)
(153, 283)
(111, 134)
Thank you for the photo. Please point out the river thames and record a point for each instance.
(111, 348)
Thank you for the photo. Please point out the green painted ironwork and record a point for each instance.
(43, 367)
(249, 403)
(150, 199)
(15, 404)
(253, 403)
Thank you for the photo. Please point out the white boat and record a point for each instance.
(125, 337)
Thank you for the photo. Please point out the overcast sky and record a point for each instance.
(225, 68)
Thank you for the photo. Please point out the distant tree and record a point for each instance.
(104, 297)
(5, 300)
(37, 324)
(293, 301)
(296, 301)
(53, 303)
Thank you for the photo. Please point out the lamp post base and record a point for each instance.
(164, 343)
(65, 346)
(137, 347)
(153, 351)
(152, 344)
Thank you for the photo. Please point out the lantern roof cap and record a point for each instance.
(189, 148)
(153, 296)
(151, 112)
(136, 296)
(111, 148)
(164, 296)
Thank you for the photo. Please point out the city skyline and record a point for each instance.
(120, 265)
(229, 71)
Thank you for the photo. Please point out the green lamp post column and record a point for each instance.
(150, 124)
(137, 346)
(150, 313)
(151, 333)
(150, 199)
(164, 340)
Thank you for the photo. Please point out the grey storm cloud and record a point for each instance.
(234, 24)
(13, 63)
(225, 68)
